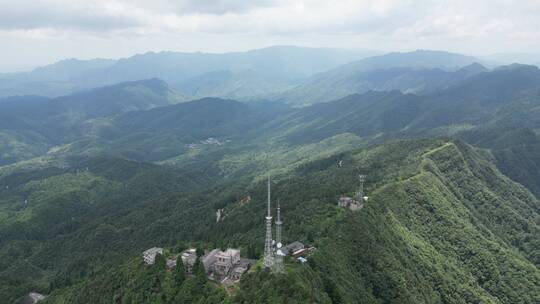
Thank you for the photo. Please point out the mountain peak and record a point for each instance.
(473, 68)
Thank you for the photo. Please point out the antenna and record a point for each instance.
(268, 251)
(278, 267)
(269, 214)
(360, 193)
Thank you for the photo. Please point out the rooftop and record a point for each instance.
(153, 250)
(229, 252)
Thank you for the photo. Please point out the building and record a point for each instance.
(209, 260)
(226, 265)
(149, 255)
(189, 257)
(32, 298)
(300, 252)
(347, 202)
(225, 260)
(242, 267)
(292, 247)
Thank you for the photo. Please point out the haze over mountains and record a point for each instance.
(277, 67)
(102, 159)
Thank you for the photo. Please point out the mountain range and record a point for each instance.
(156, 144)
(277, 67)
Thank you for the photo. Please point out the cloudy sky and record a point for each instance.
(37, 32)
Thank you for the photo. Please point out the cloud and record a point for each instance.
(65, 15)
(391, 18)
(128, 26)
(211, 7)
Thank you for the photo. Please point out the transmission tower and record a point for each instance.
(360, 193)
(268, 250)
(279, 254)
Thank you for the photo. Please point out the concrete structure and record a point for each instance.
(149, 255)
(292, 247)
(242, 267)
(32, 297)
(225, 265)
(209, 260)
(300, 252)
(225, 261)
(189, 257)
(347, 202)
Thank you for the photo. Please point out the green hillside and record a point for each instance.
(442, 225)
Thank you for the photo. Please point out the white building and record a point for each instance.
(149, 255)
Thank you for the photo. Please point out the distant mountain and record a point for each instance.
(416, 72)
(244, 85)
(503, 84)
(52, 80)
(104, 101)
(119, 98)
(64, 70)
(276, 65)
(29, 121)
(509, 58)
(414, 59)
(498, 110)
(477, 100)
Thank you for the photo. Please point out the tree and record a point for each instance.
(180, 271)
(160, 262)
(199, 271)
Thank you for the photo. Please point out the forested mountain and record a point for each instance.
(450, 148)
(415, 72)
(244, 85)
(436, 206)
(30, 126)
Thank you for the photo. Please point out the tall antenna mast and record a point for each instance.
(268, 251)
(360, 194)
(279, 254)
(268, 191)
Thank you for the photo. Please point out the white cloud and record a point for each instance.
(470, 26)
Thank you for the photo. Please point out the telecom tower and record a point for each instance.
(278, 267)
(360, 193)
(268, 250)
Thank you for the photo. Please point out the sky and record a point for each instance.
(39, 32)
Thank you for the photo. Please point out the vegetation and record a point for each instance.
(86, 186)
(420, 237)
